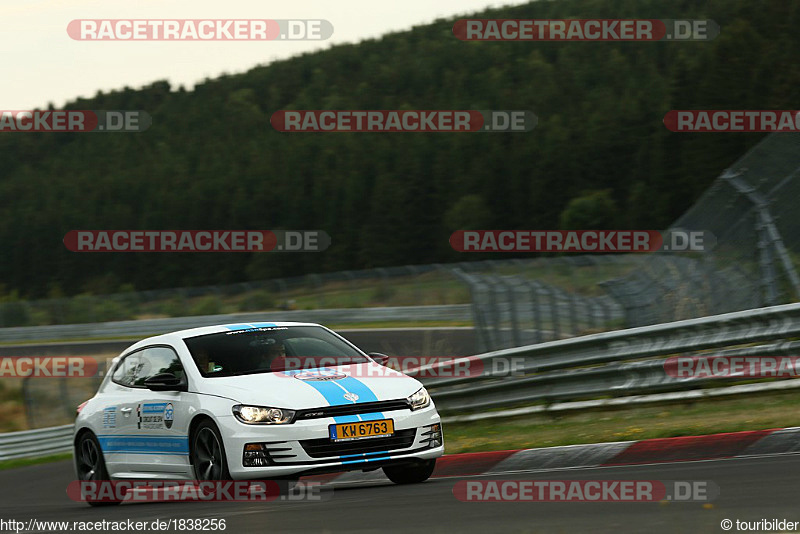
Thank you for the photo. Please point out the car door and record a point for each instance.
(118, 424)
(162, 417)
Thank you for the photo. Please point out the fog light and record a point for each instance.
(432, 437)
(255, 455)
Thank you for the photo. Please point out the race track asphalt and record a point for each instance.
(750, 489)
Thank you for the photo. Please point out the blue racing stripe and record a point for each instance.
(362, 454)
(359, 388)
(366, 460)
(144, 444)
(333, 395)
(364, 395)
(371, 416)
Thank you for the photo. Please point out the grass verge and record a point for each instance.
(24, 462)
(762, 411)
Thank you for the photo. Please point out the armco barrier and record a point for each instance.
(598, 365)
(150, 327)
(32, 443)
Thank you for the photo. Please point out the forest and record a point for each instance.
(600, 156)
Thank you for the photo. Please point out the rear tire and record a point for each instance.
(91, 465)
(209, 461)
(410, 473)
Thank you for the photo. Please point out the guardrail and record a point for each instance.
(33, 443)
(599, 365)
(149, 327)
(606, 367)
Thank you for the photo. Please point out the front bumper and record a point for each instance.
(304, 447)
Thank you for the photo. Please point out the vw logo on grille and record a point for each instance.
(351, 397)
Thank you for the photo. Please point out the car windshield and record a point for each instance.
(269, 350)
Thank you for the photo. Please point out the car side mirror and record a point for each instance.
(165, 382)
(382, 359)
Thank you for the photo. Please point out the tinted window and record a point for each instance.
(265, 350)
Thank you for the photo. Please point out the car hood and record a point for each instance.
(314, 388)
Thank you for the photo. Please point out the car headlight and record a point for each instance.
(420, 399)
(261, 415)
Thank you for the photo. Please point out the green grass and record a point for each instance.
(756, 412)
(24, 462)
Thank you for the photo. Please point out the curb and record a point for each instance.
(659, 450)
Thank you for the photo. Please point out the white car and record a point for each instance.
(220, 402)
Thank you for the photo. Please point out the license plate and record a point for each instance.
(362, 430)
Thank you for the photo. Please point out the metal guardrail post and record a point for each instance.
(64, 392)
(538, 328)
(27, 400)
(477, 316)
(555, 313)
(511, 288)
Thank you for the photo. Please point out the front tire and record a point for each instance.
(91, 465)
(410, 473)
(208, 453)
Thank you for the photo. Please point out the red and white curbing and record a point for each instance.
(662, 450)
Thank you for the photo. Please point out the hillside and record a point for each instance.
(212, 161)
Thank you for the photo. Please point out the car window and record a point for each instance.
(138, 366)
(157, 360)
(125, 373)
(309, 346)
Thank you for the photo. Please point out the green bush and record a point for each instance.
(206, 306)
(383, 293)
(14, 313)
(111, 310)
(257, 301)
(173, 307)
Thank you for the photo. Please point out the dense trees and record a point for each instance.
(211, 159)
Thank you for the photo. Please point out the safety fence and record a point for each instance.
(617, 364)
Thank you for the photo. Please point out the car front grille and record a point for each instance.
(352, 409)
(325, 448)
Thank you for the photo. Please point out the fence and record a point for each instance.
(751, 209)
(514, 305)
